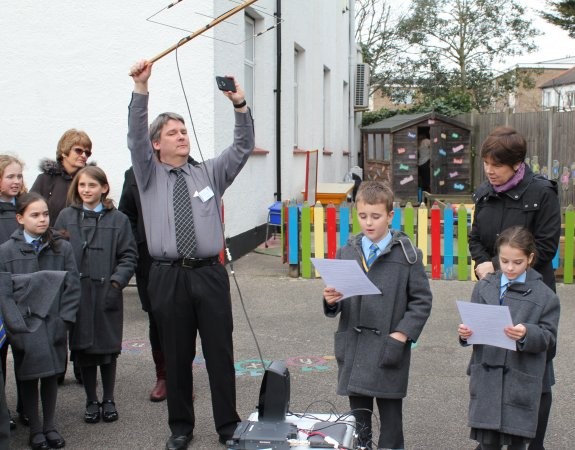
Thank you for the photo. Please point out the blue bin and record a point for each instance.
(275, 214)
(274, 218)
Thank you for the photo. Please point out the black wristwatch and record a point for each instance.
(240, 105)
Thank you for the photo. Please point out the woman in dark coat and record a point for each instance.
(74, 149)
(106, 255)
(513, 195)
(31, 249)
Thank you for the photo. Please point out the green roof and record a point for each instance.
(401, 121)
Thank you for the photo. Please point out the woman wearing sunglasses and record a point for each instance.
(74, 149)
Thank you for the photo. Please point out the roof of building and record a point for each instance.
(567, 77)
(561, 63)
(401, 121)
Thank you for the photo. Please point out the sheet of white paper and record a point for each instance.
(487, 323)
(346, 276)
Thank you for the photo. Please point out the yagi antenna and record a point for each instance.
(261, 10)
(206, 27)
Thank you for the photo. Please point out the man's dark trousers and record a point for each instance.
(185, 301)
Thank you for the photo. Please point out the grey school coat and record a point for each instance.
(105, 251)
(370, 362)
(8, 222)
(38, 306)
(505, 386)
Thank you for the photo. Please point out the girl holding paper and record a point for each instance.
(505, 386)
(513, 195)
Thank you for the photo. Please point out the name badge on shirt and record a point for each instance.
(205, 194)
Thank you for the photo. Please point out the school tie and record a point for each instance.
(373, 250)
(2, 333)
(183, 217)
(36, 244)
(506, 287)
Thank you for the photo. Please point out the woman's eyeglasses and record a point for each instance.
(79, 151)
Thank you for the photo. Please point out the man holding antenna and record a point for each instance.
(189, 289)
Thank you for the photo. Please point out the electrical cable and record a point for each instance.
(229, 256)
(261, 10)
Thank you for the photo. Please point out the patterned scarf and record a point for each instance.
(513, 181)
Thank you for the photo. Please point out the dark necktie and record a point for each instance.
(183, 217)
(2, 333)
(36, 244)
(373, 249)
(506, 287)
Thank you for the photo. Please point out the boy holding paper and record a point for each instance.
(505, 385)
(375, 332)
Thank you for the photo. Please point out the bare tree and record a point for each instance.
(457, 42)
(377, 34)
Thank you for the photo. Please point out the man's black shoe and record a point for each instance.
(179, 441)
(227, 432)
(224, 438)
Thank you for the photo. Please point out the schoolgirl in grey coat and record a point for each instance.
(105, 252)
(504, 385)
(370, 362)
(42, 353)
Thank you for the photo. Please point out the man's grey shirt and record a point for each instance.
(156, 183)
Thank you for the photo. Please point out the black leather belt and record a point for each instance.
(189, 263)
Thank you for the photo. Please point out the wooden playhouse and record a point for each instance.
(390, 151)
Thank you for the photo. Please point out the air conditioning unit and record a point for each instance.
(361, 87)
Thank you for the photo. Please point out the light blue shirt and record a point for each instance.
(505, 282)
(98, 207)
(29, 238)
(366, 243)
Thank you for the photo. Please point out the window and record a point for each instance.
(569, 100)
(297, 67)
(547, 99)
(371, 147)
(326, 108)
(387, 147)
(378, 147)
(345, 115)
(249, 60)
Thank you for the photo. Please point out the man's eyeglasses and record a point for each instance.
(79, 152)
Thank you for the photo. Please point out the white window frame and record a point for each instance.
(249, 61)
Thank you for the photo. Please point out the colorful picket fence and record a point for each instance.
(441, 234)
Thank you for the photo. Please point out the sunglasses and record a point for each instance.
(80, 151)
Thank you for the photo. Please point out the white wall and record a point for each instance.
(321, 30)
(65, 64)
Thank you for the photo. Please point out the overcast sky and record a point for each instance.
(554, 43)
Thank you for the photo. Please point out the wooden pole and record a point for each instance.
(435, 242)
(212, 24)
(462, 248)
(569, 245)
(318, 220)
(331, 230)
(409, 221)
(306, 241)
(448, 234)
(422, 238)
